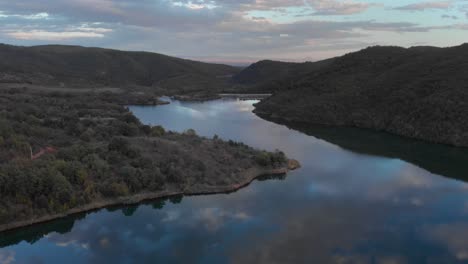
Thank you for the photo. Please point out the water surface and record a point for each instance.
(361, 197)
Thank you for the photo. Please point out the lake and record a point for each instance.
(360, 197)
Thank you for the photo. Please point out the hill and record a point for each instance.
(264, 71)
(419, 92)
(270, 76)
(75, 66)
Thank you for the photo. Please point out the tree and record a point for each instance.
(157, 131)
(190, 132)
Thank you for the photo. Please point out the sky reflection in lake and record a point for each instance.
(341, 207)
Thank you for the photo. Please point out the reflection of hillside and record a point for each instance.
(436, 158)
(32, 234)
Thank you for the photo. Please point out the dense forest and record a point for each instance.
(418, 92)
(60, 151)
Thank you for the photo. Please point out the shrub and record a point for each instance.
(157, 131)
(119, 189)
(190, 132)
(267, 158)
(262, 158)
(118, 144)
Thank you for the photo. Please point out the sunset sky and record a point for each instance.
(235, 31)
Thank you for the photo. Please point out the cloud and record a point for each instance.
(71, 33)
(141, 13)
(171, 216)
(318, 7)
(426, 5)
(216, 29)
(453, 236)
(214, 218)
(180, 13)
(464, 9)
(42, 15)
(459, 26)
(326, 7)
(7, 256)
(449, 17)
(197, 5)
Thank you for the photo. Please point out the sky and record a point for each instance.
(235, 31)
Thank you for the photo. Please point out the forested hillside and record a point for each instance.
(420, 92)
(60, 151)
(75, 66)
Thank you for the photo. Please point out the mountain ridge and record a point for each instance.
(77, 66)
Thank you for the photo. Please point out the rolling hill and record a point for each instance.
(75, 66)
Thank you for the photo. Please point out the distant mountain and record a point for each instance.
(76, 66)
(419, 92)
(270, 76)
(264, 71)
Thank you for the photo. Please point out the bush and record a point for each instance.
(263, 159)
(278, 157)
(267, 158)
(157, 131)
(118, 144)
(119, 189)
(190, 132)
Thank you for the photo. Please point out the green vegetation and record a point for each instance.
(80, 67)
(157, 131)
(266, 158)
(97, 150)
(420, 92)
(272, 76)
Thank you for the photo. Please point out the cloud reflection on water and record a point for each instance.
(341, 207)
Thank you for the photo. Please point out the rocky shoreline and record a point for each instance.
(249, 176)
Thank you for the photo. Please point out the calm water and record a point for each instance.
(360, 197)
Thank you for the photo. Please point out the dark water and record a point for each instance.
(361, 197)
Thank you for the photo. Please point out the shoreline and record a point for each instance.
(286, 121)
(250, 175)
(211, 97)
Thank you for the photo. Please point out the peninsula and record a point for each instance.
(63, 153)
